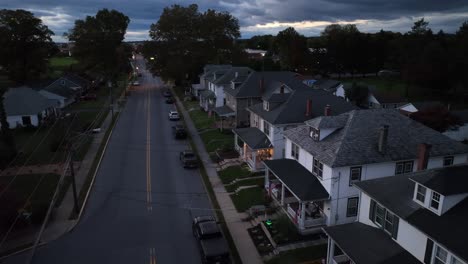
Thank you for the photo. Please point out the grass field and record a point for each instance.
(60, 62)
(246, 198)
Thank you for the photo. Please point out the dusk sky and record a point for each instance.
(257, 17)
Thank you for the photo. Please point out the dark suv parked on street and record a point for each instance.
(179, 132)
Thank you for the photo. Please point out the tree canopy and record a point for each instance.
(184, 39)
(25, 44)
(98, 41)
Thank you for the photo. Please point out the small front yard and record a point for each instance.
(248, 182)
(234, 172)
(247, 198)
(309, 255)
(215, 139)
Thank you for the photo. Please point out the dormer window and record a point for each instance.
(315, 134)
(266, 106)
(435, 201)
(421, 193)
(448, 161)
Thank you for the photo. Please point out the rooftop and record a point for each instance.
(253, 137)
(446, 181)
(355, 140)
(25, 101)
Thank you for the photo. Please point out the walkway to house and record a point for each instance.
(238, 228)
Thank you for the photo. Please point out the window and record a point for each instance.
(384, 219)
(26, 120)
(435, 201)
(379, 215)
(455, 261)
(266, 106)
(388, 225)
(294, 151)
(317, 169)
(352, 208)
(354, 175)
(266, 128)
(403, 167)
(421, 193)
(440, 256)
(395, 105)
(448, 161)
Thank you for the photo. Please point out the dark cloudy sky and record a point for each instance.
(261, 16)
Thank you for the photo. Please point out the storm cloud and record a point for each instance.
(261, 16)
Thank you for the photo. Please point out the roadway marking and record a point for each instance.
(148, 154)
(152, 256)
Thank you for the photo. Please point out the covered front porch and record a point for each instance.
(363, 244)
(196, 89)
(299, 194)
(207, 100)
(226, 117)
(253, 146)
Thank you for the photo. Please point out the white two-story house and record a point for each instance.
(205, 77)
(283, 107)
(419, 217)
(330, 153)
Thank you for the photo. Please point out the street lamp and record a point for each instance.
(151, 58)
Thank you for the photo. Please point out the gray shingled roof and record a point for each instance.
(25, 101)
(224, 111)
(386, 97)
(446, 181)
(368, 245)
(396, 194)
(356, 142)
(298, 179)
(230, 75)
(253, 137)
(210, 68)
(294, 108)
(251, 86)
(327, 85)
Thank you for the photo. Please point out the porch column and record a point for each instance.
(330, 251)
(245, 152)
(301, 221)
(267, 181)
(282, 194)
(254, 158)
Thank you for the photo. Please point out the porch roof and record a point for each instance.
(364, 244)
(298, 179)
(207, 94)
(224, 111)
(253, 137)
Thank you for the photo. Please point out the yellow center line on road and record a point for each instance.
(148, 154)
(152, 256)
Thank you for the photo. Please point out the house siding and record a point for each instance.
(15, 121)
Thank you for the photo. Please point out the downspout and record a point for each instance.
(338, 198)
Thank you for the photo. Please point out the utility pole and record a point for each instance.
(109, 83)
(72, 172)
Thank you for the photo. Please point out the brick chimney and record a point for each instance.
(423, 155)
(262, 85)
(327, 111)
(308, 107)
(383, 138)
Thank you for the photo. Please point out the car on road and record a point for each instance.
(167, 94)
(179, 132)
(174, 115)
(169, 100)
(88, 97)
(212, 244)
(188, 159)
(136, 83)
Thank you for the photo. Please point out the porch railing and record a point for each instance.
(341, 259)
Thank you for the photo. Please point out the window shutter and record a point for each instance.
(372, 210)
(428, 254)
(395, 226)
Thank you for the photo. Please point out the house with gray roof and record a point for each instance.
(27, 107)
(418, 217)
(348, 148)
(208, 70)
(70, 86)
(282, 108)
(249, 91)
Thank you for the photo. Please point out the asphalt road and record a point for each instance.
(143, 201)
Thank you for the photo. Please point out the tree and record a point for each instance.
(26, 44)
(292, 49)
(438, 118)
(185, 39)
(98, 41)
(357, 93)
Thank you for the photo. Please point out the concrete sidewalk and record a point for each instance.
(61, 223)
(238, 228)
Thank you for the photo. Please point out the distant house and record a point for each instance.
(419, 217)
(379, 98)
(255, 54)
(27, 107)
(198, 88)
(69, 86)
(419, 106)
(332, 86)
(459, 132)
(324, 158)
(61, 100)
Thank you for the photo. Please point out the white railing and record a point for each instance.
(341, 259)
(311, 222)
(291, 212)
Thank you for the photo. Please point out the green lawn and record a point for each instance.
(215, 139)
(201, 120)
(61, 62)
(246, 198)
(249, 182)
(312, 255)
(231, 173)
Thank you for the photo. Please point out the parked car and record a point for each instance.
(136, 83)
(167, 94)
(188, 159)
(179, 132)
(169, 100)
(173, 115)
(88, 97)
(212, 244)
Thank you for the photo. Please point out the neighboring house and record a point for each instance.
(27, 107)
(332, 86)
(283, 107)
(419, 106)
(204, 78)
(331, 153)
(250, 92)
(222, 79)
(460, 132)
(384, 99)
(69, 86)
(60, 100)
(255, 54)
(419, 217)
